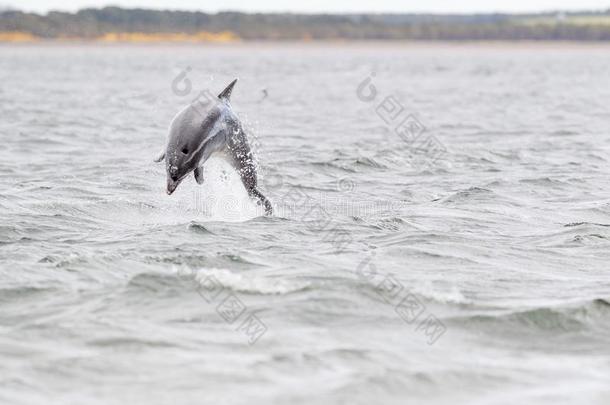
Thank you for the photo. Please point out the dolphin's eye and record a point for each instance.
(185, 150)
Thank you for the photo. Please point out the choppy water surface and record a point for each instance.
(390, 273)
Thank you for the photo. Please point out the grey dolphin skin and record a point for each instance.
(199, 131)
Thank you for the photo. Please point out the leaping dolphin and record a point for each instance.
(199, 131)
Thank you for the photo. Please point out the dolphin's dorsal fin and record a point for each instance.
(226, 93)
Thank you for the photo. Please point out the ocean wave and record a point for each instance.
(469, 195)
(199, 228)
(545, 182)
(238, 282)
(130, 342)
(250, 283)
(22, 292)
(594, 313)
(392, 224)
(369, 162)
(8, 234)
(193, 260)
(451, 295)
(575, 235)
(585, 223)
(341, 165)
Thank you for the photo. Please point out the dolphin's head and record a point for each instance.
(183, 150)
(187, 144)
(179, 163)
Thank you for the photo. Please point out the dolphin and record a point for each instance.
(203, 129)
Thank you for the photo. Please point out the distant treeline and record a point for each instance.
(96, 23)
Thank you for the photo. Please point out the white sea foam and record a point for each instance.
(249, 282)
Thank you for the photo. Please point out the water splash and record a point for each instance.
(223, 197)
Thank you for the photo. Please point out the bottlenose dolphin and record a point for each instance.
(201, 130)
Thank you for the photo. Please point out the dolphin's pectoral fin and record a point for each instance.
(199, 175)
(160, 157)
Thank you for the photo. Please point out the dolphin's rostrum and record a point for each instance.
(202, 129)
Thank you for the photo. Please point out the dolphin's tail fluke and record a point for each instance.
(226, 93)
(266, 203)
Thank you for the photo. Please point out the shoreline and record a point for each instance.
(526, 44)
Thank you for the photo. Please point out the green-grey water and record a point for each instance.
(467, 266)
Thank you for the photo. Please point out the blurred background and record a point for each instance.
(315, 20)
